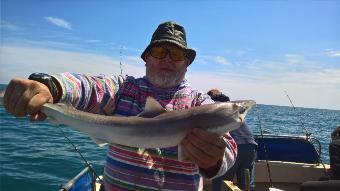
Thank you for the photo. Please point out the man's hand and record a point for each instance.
(24, 97)
(204, 148)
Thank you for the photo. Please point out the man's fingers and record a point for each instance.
(207, 148)
(8, 93)
(196, 155)
(204, 148)
(221, 142)
(21, 106)
(14, 99)
(24, 97)
(210, 138)
(36, 102)
(20, 109)
(38, 117)
(41, 116)
(34, 117)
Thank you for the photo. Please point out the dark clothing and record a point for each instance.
(246, 155)
(220, 98)
(245, 160)
(334, 156)
(243, 135)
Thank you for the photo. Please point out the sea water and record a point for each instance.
(37, 156)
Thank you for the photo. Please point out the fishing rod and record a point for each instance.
(120, 60)
(308, 134)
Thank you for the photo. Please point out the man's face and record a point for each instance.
(166, 72)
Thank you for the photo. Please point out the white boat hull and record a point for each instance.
(286, 175)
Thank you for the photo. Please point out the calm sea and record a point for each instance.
(36, 156)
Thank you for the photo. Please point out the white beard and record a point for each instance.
(163, 80)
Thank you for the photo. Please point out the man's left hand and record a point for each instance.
(204, 148)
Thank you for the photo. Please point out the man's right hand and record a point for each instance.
(26, 97)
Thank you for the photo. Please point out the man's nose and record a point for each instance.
(167, 57)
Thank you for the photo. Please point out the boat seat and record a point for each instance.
(329, 185)
(286, 148)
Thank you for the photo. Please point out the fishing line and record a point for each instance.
(81, 155)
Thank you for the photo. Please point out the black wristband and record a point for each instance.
(47, 80)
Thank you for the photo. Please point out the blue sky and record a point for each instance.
(248, 49)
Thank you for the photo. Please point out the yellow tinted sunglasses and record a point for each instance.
(176, 54)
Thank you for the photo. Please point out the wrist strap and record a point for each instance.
(47, 80)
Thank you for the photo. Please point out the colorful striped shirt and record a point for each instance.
(130, 168)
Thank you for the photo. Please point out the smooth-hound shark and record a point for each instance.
(154, 127)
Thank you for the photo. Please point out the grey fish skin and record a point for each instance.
(164, 130)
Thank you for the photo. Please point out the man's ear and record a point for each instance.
(147, 55)
(187, 61)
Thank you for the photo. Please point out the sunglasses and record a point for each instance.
(176, 54)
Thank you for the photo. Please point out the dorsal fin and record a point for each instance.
(152, 108)
(120, 80)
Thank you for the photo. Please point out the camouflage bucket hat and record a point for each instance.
(174, 33)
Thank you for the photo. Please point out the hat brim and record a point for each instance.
(190, 53)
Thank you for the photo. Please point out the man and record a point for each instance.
(167, 58)
(246, 154)
(334, 153)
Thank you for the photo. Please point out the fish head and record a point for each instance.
(243, 106)
(223, 117)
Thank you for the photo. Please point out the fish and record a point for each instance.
(155, 127)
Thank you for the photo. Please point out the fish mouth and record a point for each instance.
(244, 105)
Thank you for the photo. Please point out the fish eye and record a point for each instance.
(242, 110)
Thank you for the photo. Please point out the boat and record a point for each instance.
(284, 162)
(84, 181)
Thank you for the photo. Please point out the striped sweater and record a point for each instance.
(130, 168)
